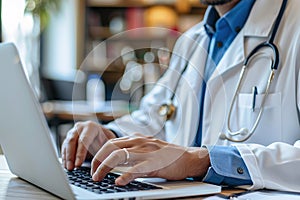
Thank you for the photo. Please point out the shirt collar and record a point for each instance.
(236, 17)
(210, 18)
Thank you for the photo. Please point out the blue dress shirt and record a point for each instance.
(227, 166)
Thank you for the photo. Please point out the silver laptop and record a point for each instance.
(27, 145)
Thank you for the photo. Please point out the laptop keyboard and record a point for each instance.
(81, 177)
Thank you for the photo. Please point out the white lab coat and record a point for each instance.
(272, 154)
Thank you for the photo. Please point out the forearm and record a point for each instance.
(198, 162)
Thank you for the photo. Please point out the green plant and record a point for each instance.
(42, 9)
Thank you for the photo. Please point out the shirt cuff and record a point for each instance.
(227, 167)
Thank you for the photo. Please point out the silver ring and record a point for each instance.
(127, 156)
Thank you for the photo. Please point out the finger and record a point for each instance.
(111, 146)
(63, 155)
(114, 159)
(102, 154)
(86, 138)
(102, 137)
(137, 171)
(70, 147)
(94, 147)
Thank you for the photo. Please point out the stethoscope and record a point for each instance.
(168, 109)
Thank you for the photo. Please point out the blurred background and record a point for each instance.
(94, 51)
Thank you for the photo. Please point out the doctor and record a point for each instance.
(204, 74)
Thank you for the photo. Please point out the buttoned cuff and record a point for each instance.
(227, 167)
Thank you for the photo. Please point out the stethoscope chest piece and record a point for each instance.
(167, 110)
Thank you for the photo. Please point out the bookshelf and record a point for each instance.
(141, 3)
(110, 26)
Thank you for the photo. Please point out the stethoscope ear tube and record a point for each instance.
(266, 44)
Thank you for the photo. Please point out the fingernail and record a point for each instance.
(120, 181)
(77, 162)
(94, 177)
(69, 165)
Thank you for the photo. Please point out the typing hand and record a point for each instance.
(83, 139)
(149, 157)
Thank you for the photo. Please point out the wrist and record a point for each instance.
(199, 162)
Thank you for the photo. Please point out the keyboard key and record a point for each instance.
(81, 178)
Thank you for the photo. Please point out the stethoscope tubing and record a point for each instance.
(266, 44)
(274, 66)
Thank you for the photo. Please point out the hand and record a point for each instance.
(149, 157)
(84, 139)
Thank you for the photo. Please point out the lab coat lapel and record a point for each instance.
(189, 98)
(229, 61)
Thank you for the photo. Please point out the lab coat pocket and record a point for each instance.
(269, 127)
